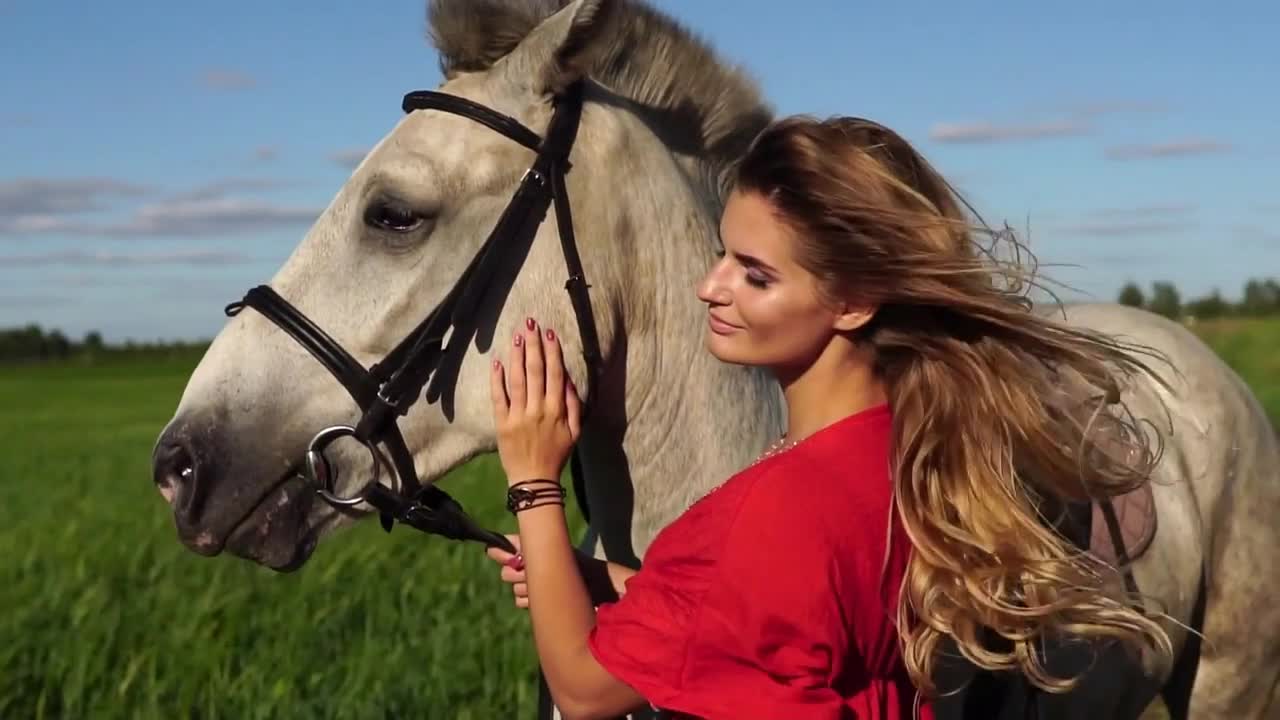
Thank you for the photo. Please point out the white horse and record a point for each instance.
(663, 120)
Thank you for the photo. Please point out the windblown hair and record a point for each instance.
(998, 410)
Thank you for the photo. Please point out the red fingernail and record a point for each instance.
(496, 364)
(551, 334)
(515, 562)
(519, 340)
(528, 322)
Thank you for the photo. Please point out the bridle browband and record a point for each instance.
(421, 365)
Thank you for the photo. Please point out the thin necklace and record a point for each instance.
(777, 447)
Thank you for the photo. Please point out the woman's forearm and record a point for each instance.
(563, 616)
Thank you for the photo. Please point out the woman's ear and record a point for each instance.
(854, 316)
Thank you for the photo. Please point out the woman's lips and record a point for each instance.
(720, 327)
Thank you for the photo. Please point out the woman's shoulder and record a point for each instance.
(837, 475)
(848, 458)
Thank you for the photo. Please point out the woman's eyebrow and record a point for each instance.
(753, 261)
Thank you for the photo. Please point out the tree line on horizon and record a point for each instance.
(1261, 298)
(34, 344)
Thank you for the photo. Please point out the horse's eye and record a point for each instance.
(392, 218)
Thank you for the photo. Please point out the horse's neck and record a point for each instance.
(692, 422)
(684, 421)
(711, 423)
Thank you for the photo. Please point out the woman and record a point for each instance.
(927, 428)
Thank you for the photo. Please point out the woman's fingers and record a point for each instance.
(555, 373)
(516, 373)
(573, 406)
(512, 570)
(535, 369)
(498, 391)
(536, 384)
(502, 557)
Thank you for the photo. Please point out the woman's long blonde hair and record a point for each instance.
(997, 408)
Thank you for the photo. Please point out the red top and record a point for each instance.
(770, 597)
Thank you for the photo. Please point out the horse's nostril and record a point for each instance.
(175, 470)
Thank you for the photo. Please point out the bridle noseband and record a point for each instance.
(421, 361)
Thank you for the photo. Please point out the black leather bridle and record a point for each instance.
(388, 389)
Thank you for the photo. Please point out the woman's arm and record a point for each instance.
(606, 581)
(563, 616)
(537, 417)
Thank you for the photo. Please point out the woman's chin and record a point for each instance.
(724, 349)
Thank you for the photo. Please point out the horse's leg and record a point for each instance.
(1240, 663)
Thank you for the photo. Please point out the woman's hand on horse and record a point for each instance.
(536, 408)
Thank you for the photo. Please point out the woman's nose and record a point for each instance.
(712, 289)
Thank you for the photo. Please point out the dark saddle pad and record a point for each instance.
(1136, 514)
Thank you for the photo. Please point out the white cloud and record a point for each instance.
(985, 132)
(47, 196)
(1176, 148)
(101, 258)
(212, 216)
(229, 186)
(50, 207)
(1125, 227)
(1146, 211)
(225, 79)
(1111, 107)
(350, 157)
(20, 120)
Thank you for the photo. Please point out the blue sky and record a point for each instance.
(157, 158)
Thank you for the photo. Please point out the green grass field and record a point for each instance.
(106, 616)
(1252, 347)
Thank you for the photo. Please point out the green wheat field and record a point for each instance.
(104, 615)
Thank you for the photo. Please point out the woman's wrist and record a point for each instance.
(524, 495)
(528, 478)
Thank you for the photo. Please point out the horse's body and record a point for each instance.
(664, 120)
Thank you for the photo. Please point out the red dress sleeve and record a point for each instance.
(742, 611)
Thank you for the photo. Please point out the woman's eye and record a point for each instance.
(758, 280)
(392, 218)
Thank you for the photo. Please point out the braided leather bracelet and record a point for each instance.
(521, 498)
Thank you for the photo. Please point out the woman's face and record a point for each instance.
(763, 308)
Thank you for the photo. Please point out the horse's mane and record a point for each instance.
(699, 105)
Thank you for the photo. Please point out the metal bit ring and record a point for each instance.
(320, 473)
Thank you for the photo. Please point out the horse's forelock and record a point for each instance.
(701, 106)
(472, 35)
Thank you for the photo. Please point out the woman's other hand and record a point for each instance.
(512, 570)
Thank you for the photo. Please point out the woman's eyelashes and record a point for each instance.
(757, 279)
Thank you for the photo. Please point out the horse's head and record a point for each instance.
(406, 225)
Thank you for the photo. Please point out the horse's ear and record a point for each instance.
(561, 49)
